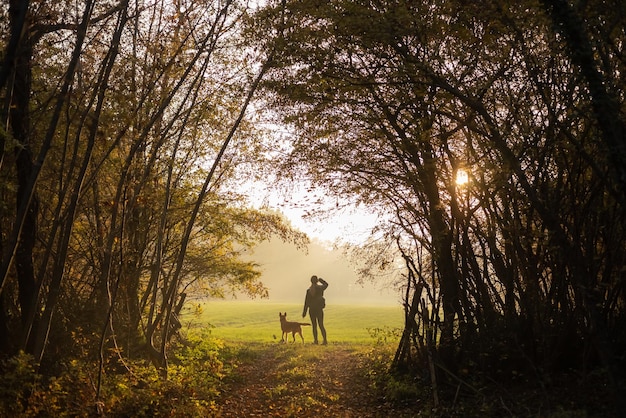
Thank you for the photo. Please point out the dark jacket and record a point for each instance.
(315, 300)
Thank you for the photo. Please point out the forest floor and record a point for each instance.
(352, 380)
(284, 380)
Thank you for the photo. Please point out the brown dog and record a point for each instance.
(287, 327)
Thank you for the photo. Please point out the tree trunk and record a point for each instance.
(19, 125)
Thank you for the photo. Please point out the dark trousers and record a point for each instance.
(317, 318)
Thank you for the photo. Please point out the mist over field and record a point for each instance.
(286, 271)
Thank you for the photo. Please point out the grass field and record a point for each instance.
(258, 321)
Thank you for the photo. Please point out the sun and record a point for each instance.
(462, 177)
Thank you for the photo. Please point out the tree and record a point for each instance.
(390, 100)
(140, 112)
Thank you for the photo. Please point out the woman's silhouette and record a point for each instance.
(315, 303)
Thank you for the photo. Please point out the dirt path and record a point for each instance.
(283, 380)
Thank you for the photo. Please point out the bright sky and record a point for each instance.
(350, 224)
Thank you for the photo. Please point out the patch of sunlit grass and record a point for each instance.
(332, 397)
(307, 356)
(276, 391)
(296, 374)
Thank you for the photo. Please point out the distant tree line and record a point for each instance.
(518, 271)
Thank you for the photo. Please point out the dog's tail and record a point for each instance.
(302, 323)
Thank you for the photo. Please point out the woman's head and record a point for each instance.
(314, 279)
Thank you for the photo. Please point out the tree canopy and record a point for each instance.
(522, 265)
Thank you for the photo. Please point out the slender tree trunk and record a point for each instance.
(19, 125)
(18, 11)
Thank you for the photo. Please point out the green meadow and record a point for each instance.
(257, 321)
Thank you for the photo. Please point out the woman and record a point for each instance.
(315, 303)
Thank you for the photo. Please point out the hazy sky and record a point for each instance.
(299, 204)
(286, 271)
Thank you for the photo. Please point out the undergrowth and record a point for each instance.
(203, 368)
(194, 374)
